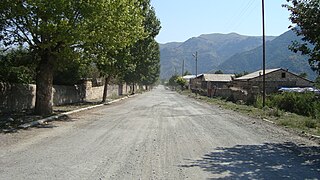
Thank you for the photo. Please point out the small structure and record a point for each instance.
(275, 79)
(188, 79)
(207, 83)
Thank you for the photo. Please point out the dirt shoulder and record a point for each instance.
(294, 123)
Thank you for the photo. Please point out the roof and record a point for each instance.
(256, 74)
(218, 77)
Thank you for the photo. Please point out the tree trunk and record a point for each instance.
(133, 88)
(105, 89)
(43, 104)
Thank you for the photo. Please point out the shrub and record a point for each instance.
(306, 104)
(310, 123)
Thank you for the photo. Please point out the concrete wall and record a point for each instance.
(16, 97)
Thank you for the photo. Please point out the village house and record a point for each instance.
(275, 79)
(207, 83)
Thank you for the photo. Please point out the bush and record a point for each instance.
(306, 104)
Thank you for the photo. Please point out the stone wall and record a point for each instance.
(67, 94)
(232, 94)
(17, 97)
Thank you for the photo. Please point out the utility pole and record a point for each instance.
(196, 56)
(182, 68)
(263, 58)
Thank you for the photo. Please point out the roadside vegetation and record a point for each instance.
(62, 42)
(303, 120)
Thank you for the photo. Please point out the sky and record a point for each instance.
(183, 19)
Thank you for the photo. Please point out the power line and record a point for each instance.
(238, 16)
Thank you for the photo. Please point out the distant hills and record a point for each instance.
(277, 55)
(231, 53)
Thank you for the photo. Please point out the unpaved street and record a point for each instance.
(158, 135)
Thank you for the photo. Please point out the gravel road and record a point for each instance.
(158, 135)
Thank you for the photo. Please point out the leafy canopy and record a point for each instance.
(305, 14)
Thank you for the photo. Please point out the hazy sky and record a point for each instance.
(183, 19)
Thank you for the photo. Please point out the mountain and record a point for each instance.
(277, 55)
(213, 49)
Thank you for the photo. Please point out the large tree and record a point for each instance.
(145, 54)
(62, 30)
(121, 27)
(305, 15)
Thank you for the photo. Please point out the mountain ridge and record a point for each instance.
(213, 49)
(278, 55)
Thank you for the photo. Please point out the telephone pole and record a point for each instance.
(196, 56)
(196, 80)
(182, 68)
(263, 58)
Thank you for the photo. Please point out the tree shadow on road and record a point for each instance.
(266, 161)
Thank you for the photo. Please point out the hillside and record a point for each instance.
(277, 55)
(213, 49)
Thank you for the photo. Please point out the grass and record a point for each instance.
(290, 120)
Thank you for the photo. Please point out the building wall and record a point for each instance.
(274, 81)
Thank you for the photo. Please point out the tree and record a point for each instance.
(219, 72)
(317, 82)
(305, 14)
(173, 80)
(57, 32)
(182, 82)
(144, 65)
(241, 74)
(186, 73)
(124, 26)
(16, 66)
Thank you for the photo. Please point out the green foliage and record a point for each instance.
(59, 32)
(186, 73)
(173, 81)
(144, 58)
(317, 82)
(219, 72)
(307, 104)
(73, 73)
(305, 14)
(116, 26)
(181, 82)
(241, 74)
(17, 66)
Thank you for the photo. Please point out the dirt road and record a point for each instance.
(158, 135)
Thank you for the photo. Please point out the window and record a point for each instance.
(283, 75)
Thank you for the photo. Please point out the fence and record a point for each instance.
(17, 97)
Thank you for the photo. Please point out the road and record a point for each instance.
(158, 135)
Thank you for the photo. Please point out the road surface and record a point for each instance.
(158, 135)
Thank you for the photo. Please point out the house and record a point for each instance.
(275, 79)
(207, 83)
